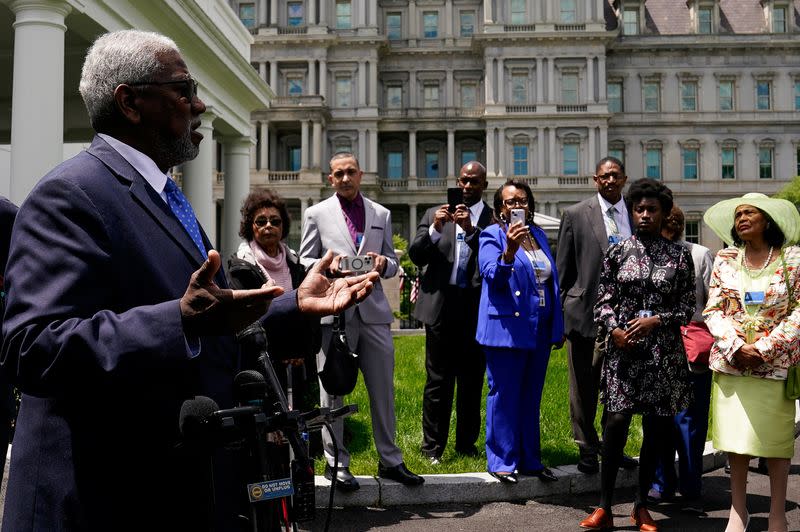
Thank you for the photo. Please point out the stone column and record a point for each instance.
(603, 143)
(412, 154)
(539, 80)
(601, 77)
(551, 147)
(323, 13)
(264, 147)
(237, 186)
(490, 166)
(303, 206)
(501, 152)
(37, 100)
(540, 169)
(501, 80)
(363, 154)
(304, 144)
(198, 177)
(412, 89)
(448, 18)
(312, 12)
(323, 77)
(262, 71)
(592, 155)
(373, 151)
(412, 20)
(449, 96)
(551, 81)
(451, 152)
(312, 77)
(253, 147)
(362, 13)
(412, 221)
(362, 83)
(273, 12)
(316, 145)
(487, 12)
(488, 81)
(262, 13)
(589, 80)
(273, 141)
(273, 76)
(373, 83)
(373, 15)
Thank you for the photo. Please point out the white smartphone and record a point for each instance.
(517, 215)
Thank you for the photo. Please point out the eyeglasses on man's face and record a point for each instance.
(515, 202)
(188, 86)
(274, 222)
(610, 175)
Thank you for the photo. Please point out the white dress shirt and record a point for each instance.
(474, 215)
(621, 216)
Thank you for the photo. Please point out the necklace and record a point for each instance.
(766, 263)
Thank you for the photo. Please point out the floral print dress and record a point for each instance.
(654, 274)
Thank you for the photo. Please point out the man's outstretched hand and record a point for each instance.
(322, 296)
(207, 309)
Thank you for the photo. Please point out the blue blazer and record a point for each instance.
(93, 339)
(508, 314)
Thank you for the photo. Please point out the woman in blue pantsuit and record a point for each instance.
(518, 323)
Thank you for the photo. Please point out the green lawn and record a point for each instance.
(557, 445)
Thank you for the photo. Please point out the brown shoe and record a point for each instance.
(598, 520)
(642, 518)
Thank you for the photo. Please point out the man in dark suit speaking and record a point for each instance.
(446, 248)
(118, 312)
(587, 228)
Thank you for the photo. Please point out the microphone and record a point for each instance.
(249, 387)
(193, 420)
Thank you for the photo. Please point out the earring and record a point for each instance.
(503, 218)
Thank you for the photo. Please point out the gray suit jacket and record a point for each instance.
(324, 228)
(582, 242)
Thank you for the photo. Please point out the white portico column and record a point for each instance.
(501, 152)
(489, 80)
(237, 186)
(262, 13)
(198, 177)
(254, 148)
(490, 167)
(312, 77)
(273, 76)
(590, 79)
(37, 100)
(323, 78)
(273, 12)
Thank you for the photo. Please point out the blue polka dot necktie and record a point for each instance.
(183, 211)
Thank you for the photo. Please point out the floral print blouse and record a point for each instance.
(726, 316)
(646, 274)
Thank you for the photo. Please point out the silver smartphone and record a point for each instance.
(517, 215)
(358, 264)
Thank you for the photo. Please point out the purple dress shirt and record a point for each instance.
(354, 217)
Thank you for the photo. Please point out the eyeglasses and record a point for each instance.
(350, 172)
(188, 91)
(274, 222)
(474, 181)
(515, 202)
(609, 176)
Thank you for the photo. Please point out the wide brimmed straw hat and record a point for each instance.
(720, 216)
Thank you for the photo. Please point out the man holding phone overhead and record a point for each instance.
(446, 248)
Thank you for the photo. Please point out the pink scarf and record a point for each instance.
(275, 268)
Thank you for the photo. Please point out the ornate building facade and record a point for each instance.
(702, 94)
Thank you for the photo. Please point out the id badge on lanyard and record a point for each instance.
(754, 297)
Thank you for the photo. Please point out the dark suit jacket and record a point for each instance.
(582, 243)
(93, 336)
(436, 261)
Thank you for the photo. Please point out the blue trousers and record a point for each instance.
(689, 439)
(516, 380)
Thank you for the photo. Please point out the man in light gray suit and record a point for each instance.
(350, 224)
(587, 228)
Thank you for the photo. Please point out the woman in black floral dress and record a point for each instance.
(646, 292)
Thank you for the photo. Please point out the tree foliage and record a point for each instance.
(791, 192)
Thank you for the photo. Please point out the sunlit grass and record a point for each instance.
(558, 447)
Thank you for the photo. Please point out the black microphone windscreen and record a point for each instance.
(194, 414)
(249, 386)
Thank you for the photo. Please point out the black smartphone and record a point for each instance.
(455, 197)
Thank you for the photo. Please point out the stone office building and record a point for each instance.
(702, 94)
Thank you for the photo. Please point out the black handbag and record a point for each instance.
(339, 374)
